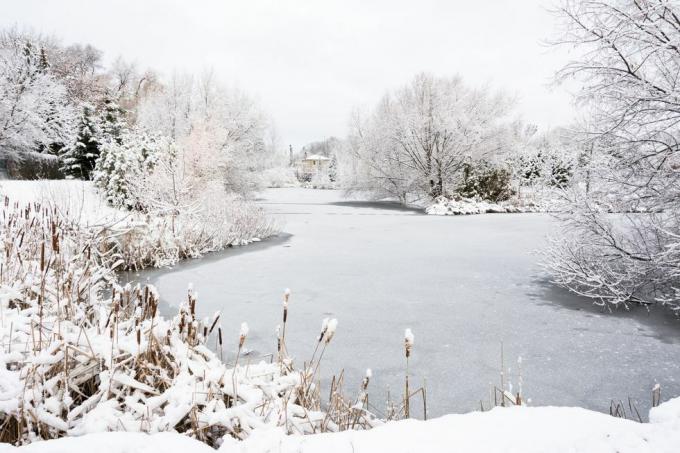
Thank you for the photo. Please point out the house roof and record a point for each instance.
(316, 157)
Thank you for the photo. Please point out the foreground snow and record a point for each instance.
(519, 429)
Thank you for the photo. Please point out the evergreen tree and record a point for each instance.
(112, 121)
(80, 157)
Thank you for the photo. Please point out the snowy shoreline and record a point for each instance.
(522, 429)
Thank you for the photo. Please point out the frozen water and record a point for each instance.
(462, 284)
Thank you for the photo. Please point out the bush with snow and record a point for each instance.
(464, 206)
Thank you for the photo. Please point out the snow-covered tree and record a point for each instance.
(79, 158)
(201, 109)
(34, 111)
(112, 122)
(629, 67)
(419, 138)
(124, 159)
(79, 68)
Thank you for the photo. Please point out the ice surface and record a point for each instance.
(462, 284)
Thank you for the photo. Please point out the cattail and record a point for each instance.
(330, 330)
(216, 317)
(286, 298)
(278, 338)
(408, 342)
(243, 334)
(282, 337)
(324, 329)
(367, 378)
(408, 346)
(219, 340)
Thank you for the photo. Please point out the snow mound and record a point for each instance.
(518, 429)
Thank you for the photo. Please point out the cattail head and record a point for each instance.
(243, 334)
(330, 330)
(367, 378)
(408, 342)
(278, 338)
(286, 298)
(324, 329)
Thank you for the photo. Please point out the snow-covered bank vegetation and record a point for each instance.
(81, 354)
(157, 236)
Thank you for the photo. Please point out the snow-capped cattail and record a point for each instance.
(324, 328)
(282, 337)
(408, 342)
(408, 346)
(286, 298)
(367, 378)
(330, 330)
(243, 334)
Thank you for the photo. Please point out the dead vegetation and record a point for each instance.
(81, 354)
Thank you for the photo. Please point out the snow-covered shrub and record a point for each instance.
(465, 206)
(121, 162)
(320, 180)
(186, 210)
(485, 181)
(33, 165)
(279, 177)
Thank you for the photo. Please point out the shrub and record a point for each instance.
(485, 181)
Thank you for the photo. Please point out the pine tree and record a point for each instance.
(80, 157)
(112, 121)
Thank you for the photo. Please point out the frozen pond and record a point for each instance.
(462, 284)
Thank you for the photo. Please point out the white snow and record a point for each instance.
(517, 429)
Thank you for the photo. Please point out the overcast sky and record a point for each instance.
(308, 62)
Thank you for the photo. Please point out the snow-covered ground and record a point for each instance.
(462, 284)
(526, 430)
(76, 197)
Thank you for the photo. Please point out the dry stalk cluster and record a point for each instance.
(81, 354)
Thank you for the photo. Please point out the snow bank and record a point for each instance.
(518, 429)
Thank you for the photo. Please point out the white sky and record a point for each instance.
(308, 62)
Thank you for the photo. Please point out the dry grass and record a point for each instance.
(82, 354)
